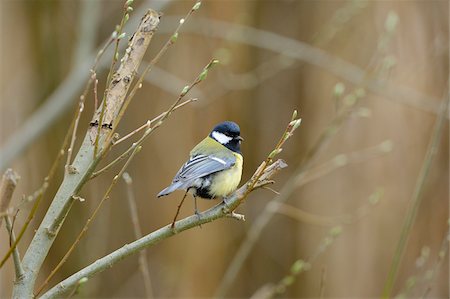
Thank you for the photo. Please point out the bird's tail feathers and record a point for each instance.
(170, 189)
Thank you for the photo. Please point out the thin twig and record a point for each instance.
(143, 261)
(74, 133)
(95, 93)
(416, 198)
(22, 231)
(149, 122)
(16, 256)
(288, 132)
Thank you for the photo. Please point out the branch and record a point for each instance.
(84, 162)
(217, 212)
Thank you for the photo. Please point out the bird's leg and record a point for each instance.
(178, 209)
(195, 206)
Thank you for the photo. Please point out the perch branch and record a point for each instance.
(219, 211)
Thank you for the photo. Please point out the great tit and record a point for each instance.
(214, 168)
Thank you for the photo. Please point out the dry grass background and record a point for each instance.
(258, 89)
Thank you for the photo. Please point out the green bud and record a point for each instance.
(374, 198)
(389, 61)
(127, 17)
(298, 266)
(129, 9)
(197, 5)
(174, 37)
(203, 75)
(336, 231)
(391, 21)
(116, 56)
(297, 124)
(83, 280)
(339, 89)
(294, 115)
(122, 35)
(275, 152)
(129, 2)
(185, 90)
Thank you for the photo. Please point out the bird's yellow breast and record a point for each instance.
(228, 180)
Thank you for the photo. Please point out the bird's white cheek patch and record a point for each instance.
(222, 138)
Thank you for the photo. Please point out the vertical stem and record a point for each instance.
(416, 199)
(143, 261)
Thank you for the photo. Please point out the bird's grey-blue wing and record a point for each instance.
(203, 165)
(197, 167)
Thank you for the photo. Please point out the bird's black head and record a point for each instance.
(228, 134)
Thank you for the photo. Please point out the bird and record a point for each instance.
(214, 167)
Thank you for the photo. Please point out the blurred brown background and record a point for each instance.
(276, 56)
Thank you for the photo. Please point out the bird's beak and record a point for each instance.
(240, 138)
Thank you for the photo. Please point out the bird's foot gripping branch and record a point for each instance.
(261, 178)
